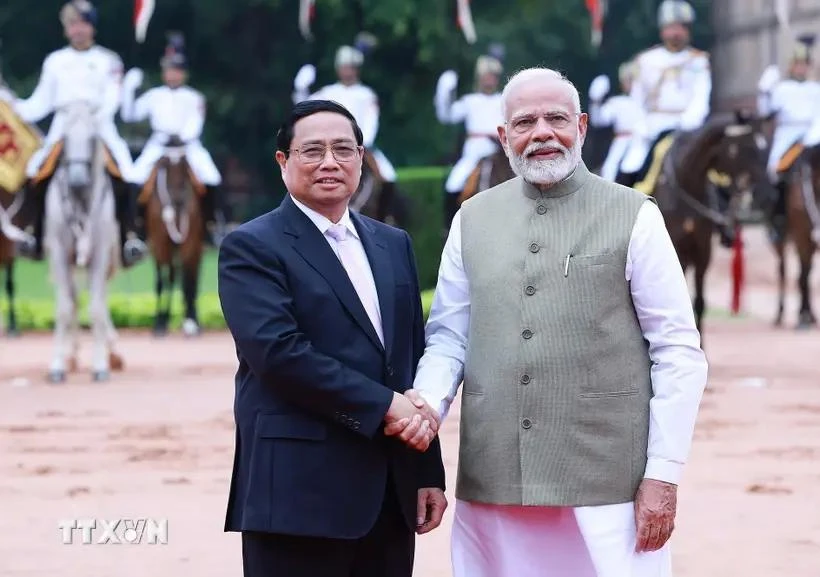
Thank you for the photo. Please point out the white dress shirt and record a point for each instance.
(662, 303)
(357, 252)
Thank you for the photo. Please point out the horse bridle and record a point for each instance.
(177, 234)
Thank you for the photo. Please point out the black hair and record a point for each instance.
(307, 108)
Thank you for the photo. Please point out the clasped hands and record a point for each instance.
(412, 420)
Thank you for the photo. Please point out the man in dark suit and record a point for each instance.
(325, 310)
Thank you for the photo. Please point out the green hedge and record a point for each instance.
(425, 187)
(132, 301)
(134, 311)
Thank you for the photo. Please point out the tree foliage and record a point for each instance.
(245, 53)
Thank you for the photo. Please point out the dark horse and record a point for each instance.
(175, 227)
(803, 228)
(691, 204)
(9, 207)
(490, 171)
(379, 199)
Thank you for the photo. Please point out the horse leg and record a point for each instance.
(12, 318)
(701, 265)
(190, 285)
(98, 313)
(806, 316)
(160, 324)
(64, 313)
(781, 283)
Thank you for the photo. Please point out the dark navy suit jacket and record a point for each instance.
(314, 381)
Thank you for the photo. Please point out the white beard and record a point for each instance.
(545, 172)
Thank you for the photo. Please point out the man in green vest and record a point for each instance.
(563, 309)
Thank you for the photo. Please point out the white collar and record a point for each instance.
(322, 222)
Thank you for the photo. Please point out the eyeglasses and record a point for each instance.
(556, 120)
(313, 153)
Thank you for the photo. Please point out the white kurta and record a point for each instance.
(625, 116)
(172, 112)
(795, 106)
(511, 541)
(674, 90)
(363, 104)
(68, 76)
(481, 115)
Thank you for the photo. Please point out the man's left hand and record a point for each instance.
(429, 509)
(655, 506)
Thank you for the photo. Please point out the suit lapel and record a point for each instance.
(382, 267)
(309, 242)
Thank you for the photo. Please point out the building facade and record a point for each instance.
(747, 38)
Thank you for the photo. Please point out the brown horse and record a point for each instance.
(378, 198)
(691, 203)
(803, 228)
(490, 171)
(9, 221)
(175, 228)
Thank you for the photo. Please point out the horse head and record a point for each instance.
(81, 149)
(174, 179)
(740, 158)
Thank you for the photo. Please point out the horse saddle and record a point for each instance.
(658, 153)
(53, 159)
(789, 157)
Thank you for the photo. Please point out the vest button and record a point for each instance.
(534, 247)
(541, 209)
(526, 423)
(530, 290)
(527, 334)
(525, 379)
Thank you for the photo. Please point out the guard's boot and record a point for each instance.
(35, 198)
(777, 215)
(132, 248)
(213, 215)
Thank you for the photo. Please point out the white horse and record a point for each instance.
(82, 233)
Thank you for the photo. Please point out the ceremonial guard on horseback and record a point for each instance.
(82, 72)
(481, 113)
(363, 103)
(177, 116)
(673, 85)
(622, 112)
(793, 103)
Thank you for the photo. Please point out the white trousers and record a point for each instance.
(108, 133)
(472, 152)
(513, 541)
(615, 157)
(198, 158)
(783, 138)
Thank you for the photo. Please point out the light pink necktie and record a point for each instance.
(351, 259)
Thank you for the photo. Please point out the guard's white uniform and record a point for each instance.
(626, 117)
(481, 115)
(795, 106)
(363, 104)
(70, 75)
(172, 111)
(673, 89)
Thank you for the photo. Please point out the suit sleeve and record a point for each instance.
(259, 311)
(431, 466)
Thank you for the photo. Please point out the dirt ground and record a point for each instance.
(156, 442)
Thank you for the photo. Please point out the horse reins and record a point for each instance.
(705, 211)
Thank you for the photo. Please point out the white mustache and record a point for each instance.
(538, 146)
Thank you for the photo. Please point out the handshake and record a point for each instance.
(412, 420)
